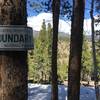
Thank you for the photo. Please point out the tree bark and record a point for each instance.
(13, 64)
(94, 53)
(75, 50)
(56, 10)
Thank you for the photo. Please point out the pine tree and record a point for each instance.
(13, 64)
(40, 57)
(41, 50)
(75, 50)
(56, 12)
(94, 52)
(49, 48)
(86, 60)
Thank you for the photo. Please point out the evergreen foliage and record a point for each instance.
(46, 6)
(86, 60)
(40, 58)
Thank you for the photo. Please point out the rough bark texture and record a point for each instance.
(96, 78)
(13, 64)
(75, 50)
(55, 8)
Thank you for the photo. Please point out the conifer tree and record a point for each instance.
(75, 50)
(13, 64)
(86, 60)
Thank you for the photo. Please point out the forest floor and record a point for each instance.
(43, 92)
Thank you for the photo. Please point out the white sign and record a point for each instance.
(17, 38)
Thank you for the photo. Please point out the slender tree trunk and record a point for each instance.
(13, 64)
(55, 9)
(94, 53)
(42, 76)
(45, 77)
(75, 50)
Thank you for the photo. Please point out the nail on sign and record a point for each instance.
(16, 37)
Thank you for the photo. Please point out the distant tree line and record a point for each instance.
(40, 57)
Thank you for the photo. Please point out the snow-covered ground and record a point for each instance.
(43, 92)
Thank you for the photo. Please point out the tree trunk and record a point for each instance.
(13, 64)
(42, 76)
(55, 9)
(94, 53)
(75, 50)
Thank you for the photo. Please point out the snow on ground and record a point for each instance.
(43, 92)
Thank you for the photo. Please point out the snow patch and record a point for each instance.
(43, 92)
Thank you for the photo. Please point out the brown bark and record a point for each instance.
(75, 50)
(13, 64)
(96, 83)
(55, 9)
